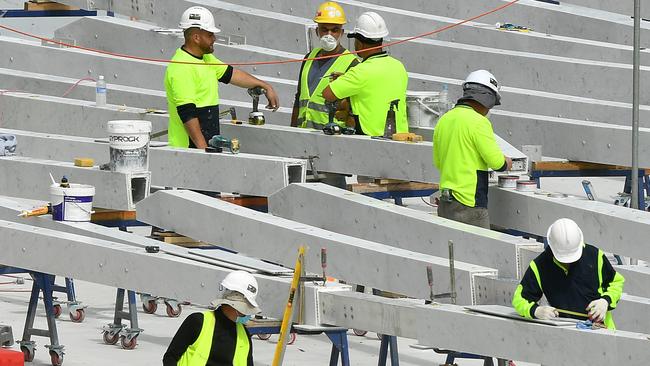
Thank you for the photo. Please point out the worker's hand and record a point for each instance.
(335, 75)
(272, 96)
(597, 310)
(546, 312)
(508, 163)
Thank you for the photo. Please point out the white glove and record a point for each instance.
(597, 310)
(546, 312)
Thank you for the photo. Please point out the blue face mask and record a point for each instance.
(243, 319)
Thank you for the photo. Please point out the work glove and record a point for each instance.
(545, 312)
(597, 310)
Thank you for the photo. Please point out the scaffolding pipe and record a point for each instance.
(635, 105)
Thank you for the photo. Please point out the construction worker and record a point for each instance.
(575, 277)
(464, 147)
(218, 337)
(309, 108)
(193, 89)
(375, 83)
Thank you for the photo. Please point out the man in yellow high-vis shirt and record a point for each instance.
(193, 89)
(218, 337)
(309, 108)
(464, 147)
(377, 82)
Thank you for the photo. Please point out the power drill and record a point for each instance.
(217, 143)
(332, 128)
(256, 117)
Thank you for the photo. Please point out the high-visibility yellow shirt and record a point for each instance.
(464, 147)
(185, 84)
(311, 103)
(372, 86)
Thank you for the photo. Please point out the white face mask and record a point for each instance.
(328, 42)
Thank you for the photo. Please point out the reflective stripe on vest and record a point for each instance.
(312, 106)
(197, 353)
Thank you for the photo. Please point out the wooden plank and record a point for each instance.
(101, 214)
(398, 187)
(576, 165)
(47, 5)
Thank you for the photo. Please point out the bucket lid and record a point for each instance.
(74, 190)
(422, 94)
(129, 126)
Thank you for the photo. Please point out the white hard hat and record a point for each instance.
(199, 17)
(244, 283)
(566, 240)
(370, 25)
(484, 78)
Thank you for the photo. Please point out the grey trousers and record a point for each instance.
(454, 210)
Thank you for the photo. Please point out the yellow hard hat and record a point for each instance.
(331, 13)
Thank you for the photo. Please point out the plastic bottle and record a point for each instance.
(100, 92)
(444, 99)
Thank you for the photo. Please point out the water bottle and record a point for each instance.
(100, 92)
(443, 99)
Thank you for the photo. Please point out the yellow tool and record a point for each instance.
(574, 313)
(84, 162)
(288, 310)
(407, 136)
(36, 212)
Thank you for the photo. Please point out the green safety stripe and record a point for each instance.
(533, 267)
(520, 304)
(197, 353)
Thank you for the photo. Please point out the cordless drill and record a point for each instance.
(256, 117)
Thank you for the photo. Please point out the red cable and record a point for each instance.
(499, 8)
(76, 84)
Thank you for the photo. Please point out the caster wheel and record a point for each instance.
(379, 335)
(78, 316)
(174, 312)
(111, 339)
(150, 306)
(129, 344)
(359, 332)
(57, 311)
(264, 336)
(292, 338)
(57, 360)
(29, 355)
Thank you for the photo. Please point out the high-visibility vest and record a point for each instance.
(312, 105)
(197, 353)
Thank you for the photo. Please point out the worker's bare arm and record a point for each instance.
(508, 162)
(193, 128)
(329, 95)
(245, 80)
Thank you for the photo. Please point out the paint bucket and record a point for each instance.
(422, 108)
(72, 204)
(129, 145)
(508, 181)
(526, 185)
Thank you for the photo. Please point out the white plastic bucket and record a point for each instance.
(72, 204)
(422, 108)
(129, 145)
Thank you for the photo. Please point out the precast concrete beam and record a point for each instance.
(174, 167)
(563, 19)
(74, 63)
(260, 24)
(106, 33)
(453, 327)
(341, 154)
(571, 139)
(383, 222)
(29, 178)
(421, 20)
(125, 266)
(612, 228)
(10, 207)
(637, 279)
(277, 239)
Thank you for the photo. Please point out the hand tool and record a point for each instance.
(218, 142)
(256, 117)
